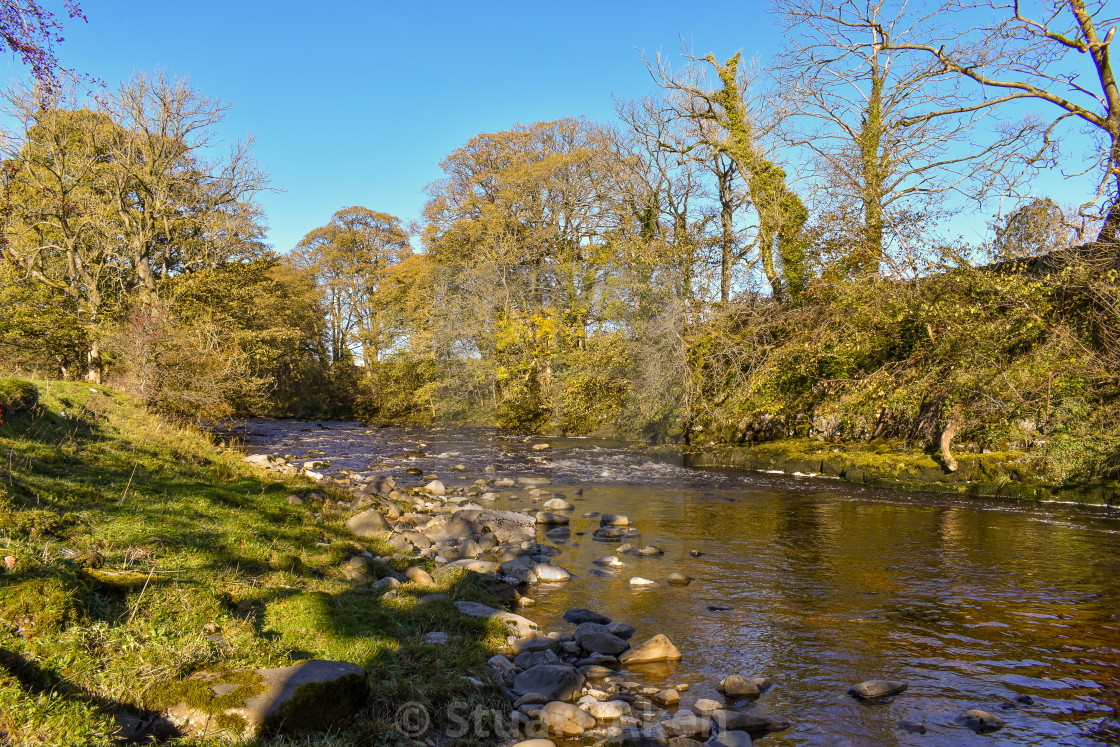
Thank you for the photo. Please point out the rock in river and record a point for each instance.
(577, 615)
(547, 517)
(553, 681)
(658, 648)
(736, 685)
(877, 689)
(565, 720)
(980, 722)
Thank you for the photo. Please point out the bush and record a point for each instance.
(17, 396)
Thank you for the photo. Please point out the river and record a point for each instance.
(815, 583)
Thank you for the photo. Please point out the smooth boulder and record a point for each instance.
(657, 648)
(877, 689)
(980, 721)
(368, 524)
(565, 719)
(553, 681)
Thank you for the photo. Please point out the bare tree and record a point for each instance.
(727, 126)
(1059, 54)
(886, 128)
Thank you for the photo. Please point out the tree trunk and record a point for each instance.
(727, 249)
(96, 366)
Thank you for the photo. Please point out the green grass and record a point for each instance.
(91, 485)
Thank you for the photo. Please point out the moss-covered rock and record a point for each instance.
(17, 397)
(42, 606)
(243, 703)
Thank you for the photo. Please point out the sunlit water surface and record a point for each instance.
(973, 602)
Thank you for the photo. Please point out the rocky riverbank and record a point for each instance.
(892, 465)
(578, 686)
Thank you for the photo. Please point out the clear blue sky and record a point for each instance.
(356, 103)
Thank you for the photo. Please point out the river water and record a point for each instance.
(815, 583)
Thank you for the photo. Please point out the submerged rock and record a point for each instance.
(980, 721)
(877, 689)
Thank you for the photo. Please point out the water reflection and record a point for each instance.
(824, 584)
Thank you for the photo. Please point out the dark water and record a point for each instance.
(972, 602)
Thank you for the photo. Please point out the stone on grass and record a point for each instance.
(418, 575)
(369, 523)
(302, 698)
(522, 627)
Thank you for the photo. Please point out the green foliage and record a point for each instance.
(895, 359)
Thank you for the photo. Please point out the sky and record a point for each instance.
(356, 103)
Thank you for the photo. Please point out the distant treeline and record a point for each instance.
(732, 261)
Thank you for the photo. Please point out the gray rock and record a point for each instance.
(531, 659)
(565, 720)
(547, 517)
(368, 524)
(621, 629)
(602, 643)
(522, 627)
(733, 739)
(557, 504)
(877, 689)
(613, 520)
(736, 685)
(577, 615)
(677, 578)
(749, 722)
(980, 722)
(688, 725)
(658, 648)
(553, 681)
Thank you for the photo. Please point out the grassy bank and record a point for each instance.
(141, 552)
(894, 464)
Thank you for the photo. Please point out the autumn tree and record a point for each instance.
(111, 198)
(350, 258)
(520, 224)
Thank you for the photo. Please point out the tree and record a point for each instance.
(350, 258)
(1032, 229)
(109, 199)
(30, 31)
(520, 228)
(1060, 57)
(733, 131)
(886, 129)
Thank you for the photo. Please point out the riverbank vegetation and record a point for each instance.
(749, 253)
(137, 552)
